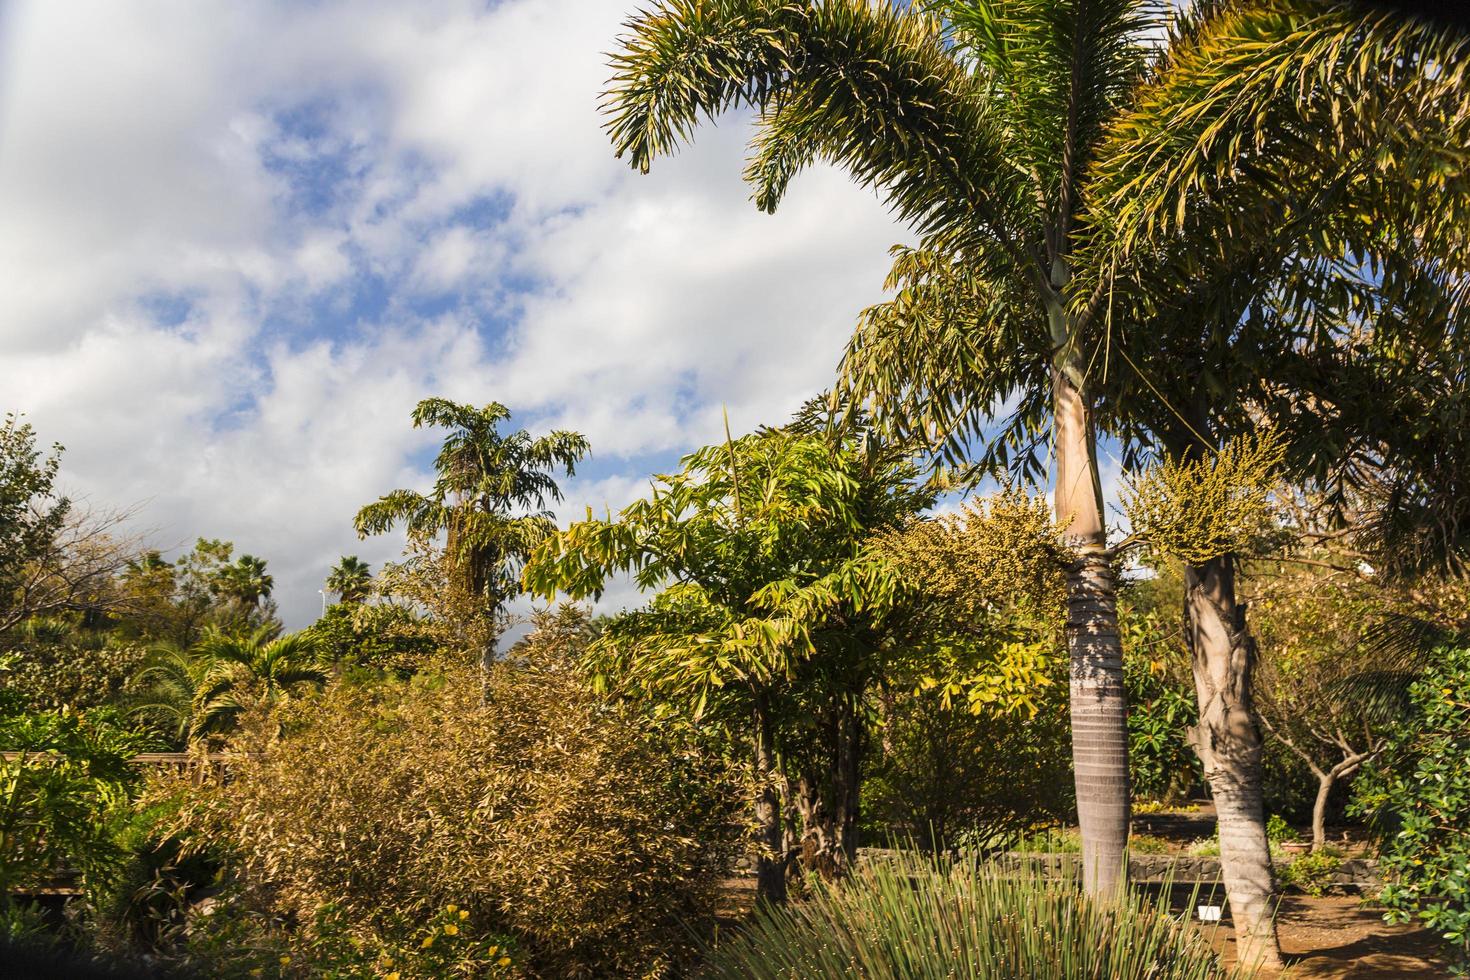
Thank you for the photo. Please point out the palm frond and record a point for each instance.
(874, 88)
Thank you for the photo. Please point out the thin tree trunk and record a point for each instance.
(828, 801)
(1099, 711)
(1350, 764)
(1228, 742)
(770, 862)
(1325, 782)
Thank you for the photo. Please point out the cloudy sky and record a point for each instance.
(239, 241)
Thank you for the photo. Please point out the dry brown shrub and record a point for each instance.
(544, 810)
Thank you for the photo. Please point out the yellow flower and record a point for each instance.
(451, 909)
(503, 961)
(285, 961)
(428, 941)
(493, 950)
(450, 929)
(256, 972)
(464, 914)
(392, 976)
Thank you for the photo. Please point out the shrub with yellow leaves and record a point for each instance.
(512, 813)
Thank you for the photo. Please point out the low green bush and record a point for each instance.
(1278, 831)
(915, 918)
(1312, 873)
(1418, 797)
(1148, 844)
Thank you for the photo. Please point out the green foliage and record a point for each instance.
(912, 918)
(941, 775)
(1162, 765)
(201, 691)
(351, 579)
(1279, 831)
(386, 637)
(206, 588)
(57, 662)
(31, 513)
(587, 835)
(59, 796)
(1312, 873)
(1418, 794)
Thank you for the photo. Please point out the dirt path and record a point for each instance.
(1338, 936)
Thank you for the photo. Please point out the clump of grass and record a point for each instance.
(914, 918)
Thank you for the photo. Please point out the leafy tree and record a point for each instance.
(60, 662)
(58, 793)
(489, 499)
(976, 124)
(945, 775)
(351, 579)
(1418, 792)
(245, 582)
(31, 513)
(384, 636)
(206, 587)
(772, 612)
(55, 558)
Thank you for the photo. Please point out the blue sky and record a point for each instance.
(240, 241)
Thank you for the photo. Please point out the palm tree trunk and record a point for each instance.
(1099, 712)
(1228, 742)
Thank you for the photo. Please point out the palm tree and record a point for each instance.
(245, 581)
(977, 128)
(489, 499)
(351, 579)
(980, 128)
(199, 691)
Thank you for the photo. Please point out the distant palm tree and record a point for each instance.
(246, 581)
(490, 499)
(351, 579)
(200, 690)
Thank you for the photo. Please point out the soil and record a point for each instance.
(1341, 936)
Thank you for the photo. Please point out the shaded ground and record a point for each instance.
(1340, 936)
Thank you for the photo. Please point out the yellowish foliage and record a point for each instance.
(1196, 510)
(538, 808)
(996, 554)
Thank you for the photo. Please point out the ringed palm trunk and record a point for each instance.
(1228, 742)
(1099, 712)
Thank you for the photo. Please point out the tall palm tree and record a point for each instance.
(981, 129)
(977, 127)
(489, 499)
(351, 579)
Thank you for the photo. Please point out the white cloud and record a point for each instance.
(193, 194)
